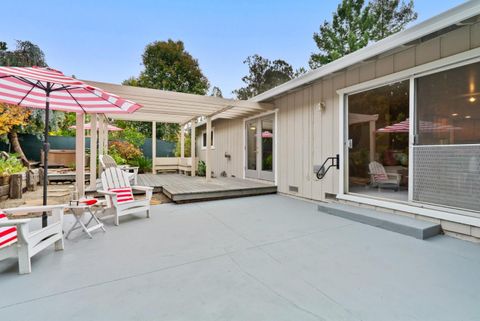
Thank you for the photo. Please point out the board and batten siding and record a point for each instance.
(228, 139)
(307, 135)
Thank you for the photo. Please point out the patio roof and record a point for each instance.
(172, 107)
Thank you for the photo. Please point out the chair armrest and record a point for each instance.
(33, 209)
(394, 175)
(106, 193)
(15, 222)
(142, 188)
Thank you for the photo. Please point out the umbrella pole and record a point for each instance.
(46, 148)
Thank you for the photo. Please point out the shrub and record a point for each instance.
(11, 165)
(124, 150)
(144, 164)
(202, 168)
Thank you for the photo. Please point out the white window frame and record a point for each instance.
(435, 211)
(204, 143)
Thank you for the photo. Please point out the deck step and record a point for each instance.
(391, 222)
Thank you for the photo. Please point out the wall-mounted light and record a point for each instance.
(472, 99)
(468, 117)
(454, 114)
(321, 106)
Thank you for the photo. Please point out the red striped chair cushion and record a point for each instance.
(380, 177)
(124, 194)
(8, 235)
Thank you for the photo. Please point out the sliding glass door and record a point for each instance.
(378, 142)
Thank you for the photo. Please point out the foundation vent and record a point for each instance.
(292, 188)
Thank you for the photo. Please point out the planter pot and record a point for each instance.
(4, 180)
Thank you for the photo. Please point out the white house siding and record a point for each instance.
(228, 138)
(307, 135)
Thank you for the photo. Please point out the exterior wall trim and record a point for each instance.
(459, 216)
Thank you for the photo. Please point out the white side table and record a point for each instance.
(79, 211)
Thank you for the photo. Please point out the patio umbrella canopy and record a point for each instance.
(46, 88)
(425, 127)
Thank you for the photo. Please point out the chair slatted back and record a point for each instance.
(378, 171)
(107, 161)
(114, 177)
(116, 180)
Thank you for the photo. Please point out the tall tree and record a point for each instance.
(264, 74)
(168, 66)
(26, 54)
(355, 24)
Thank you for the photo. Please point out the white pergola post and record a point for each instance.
(182, 142)
(154, 145)
(192, 147)
(80, 154)
(208, 174)
(372, 128)
(100, 135)
(105, 135)
(93, 152)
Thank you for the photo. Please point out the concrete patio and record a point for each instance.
(258, 258)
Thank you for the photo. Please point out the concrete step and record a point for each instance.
(391, 222)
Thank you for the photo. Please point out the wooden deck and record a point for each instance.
(181, 188)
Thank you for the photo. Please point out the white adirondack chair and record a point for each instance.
(107, 161)
(119, 196)
(381, 178)
(17, 241)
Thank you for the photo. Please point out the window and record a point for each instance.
(448, 107)
(204, 139)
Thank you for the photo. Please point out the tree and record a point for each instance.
(390, 16)
(216, 92)
(168, 66)
(354, 25)
(26, 54)
(264, 75)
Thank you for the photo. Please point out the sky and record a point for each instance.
(104, 40)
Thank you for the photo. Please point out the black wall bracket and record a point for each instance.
(334, 162)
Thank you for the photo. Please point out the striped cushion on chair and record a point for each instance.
(380, 177)
(124, 194)
(8, 235)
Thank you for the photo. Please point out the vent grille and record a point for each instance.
(292, 188)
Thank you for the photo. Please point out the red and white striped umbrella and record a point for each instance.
(46, 88)
(30, 87)
(425, 127)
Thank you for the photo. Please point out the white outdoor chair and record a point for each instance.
(119, 195)
(17, 241)
(107, 161)
(380, 178)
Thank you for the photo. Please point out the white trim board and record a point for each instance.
(425, 210)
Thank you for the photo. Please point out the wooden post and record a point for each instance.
(372, 140)
(105, 135)
(100, 135)
(182, 142)
(15, 191)
(208, 166)
(192, 147)
(93, 152)
(154, 145)
(80, 155)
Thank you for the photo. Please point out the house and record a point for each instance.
(408, 105)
